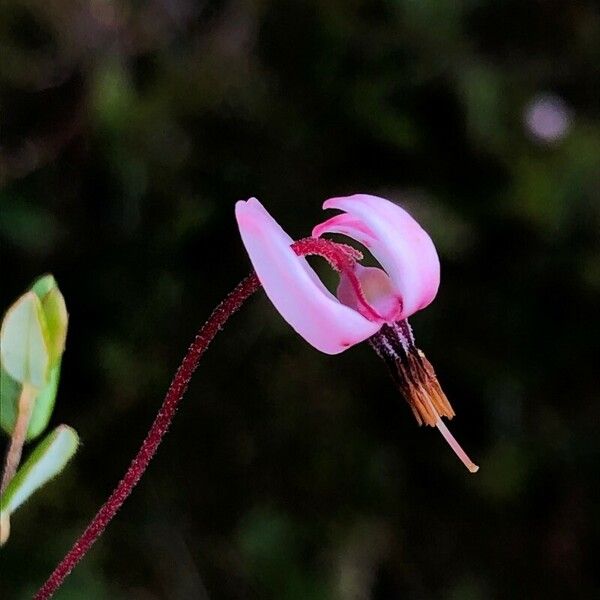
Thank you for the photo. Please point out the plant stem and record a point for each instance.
(17, 440)
(340, 256)
(161, 423)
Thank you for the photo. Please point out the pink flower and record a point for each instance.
(372, 303)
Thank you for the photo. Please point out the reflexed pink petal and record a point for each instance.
(396, 240)
(294, 288)
(346, 225)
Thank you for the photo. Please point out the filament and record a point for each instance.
(473, 468)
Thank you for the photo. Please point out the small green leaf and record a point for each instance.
(44, 405)
(54, 323)
(44, 463)
(4, 526)
(55, 313)
(57, 319)
(23, 342)
(10, 390)
(43, 285)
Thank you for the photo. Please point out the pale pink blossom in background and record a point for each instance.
(547, 118)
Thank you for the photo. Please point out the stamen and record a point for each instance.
(416, 379)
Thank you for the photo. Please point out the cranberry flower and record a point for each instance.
(372, 303)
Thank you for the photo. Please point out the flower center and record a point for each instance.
(343, 259)
(375, 290)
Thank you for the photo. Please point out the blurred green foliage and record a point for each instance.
(128, 132)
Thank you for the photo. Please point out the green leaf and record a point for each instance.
(10, 390)
(45, 462)
(55, 313)
(57, 319)
(43, 285)
(23, 342)
(44, 404)
(54, 323)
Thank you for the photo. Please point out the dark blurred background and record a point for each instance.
(128, 131)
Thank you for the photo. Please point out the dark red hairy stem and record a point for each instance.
(163, 419)
(341, 258)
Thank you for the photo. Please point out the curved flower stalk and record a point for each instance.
(372, 303)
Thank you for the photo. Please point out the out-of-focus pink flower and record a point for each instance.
(547, 118)
(372, 303)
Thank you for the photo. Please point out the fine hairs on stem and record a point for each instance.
(341, 257)
(161, 423)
